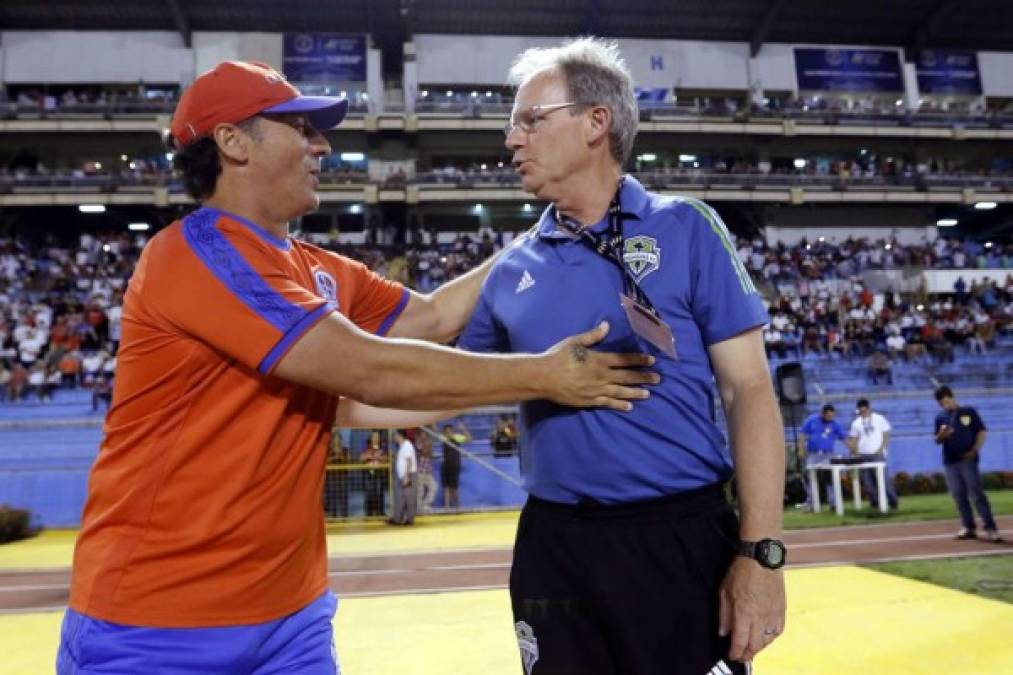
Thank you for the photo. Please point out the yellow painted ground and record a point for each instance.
(52, 548)
(55, 548)
(842, 621)
(443, 532)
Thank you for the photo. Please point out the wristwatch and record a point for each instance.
(771, 553)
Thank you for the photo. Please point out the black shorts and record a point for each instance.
(450, 475)
(630, 589)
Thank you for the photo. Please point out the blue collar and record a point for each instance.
(282, 244)
(634, 199)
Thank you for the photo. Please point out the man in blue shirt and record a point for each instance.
(962, 433)
(628, 558)
(817, 436)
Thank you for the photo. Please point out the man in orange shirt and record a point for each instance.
(202, 546)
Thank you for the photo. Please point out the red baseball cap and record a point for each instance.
(234, 91)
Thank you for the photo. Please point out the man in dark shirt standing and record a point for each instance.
(450, 469)
(962, 433)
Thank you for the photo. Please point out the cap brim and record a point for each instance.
(324, 112)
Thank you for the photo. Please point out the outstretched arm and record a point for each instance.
(337, 357)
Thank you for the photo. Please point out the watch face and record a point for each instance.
(772, 553)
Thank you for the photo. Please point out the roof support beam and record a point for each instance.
(762, 29)
(182, 25)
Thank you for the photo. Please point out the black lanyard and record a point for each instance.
(609, 246)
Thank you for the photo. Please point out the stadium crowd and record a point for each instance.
(820, 323)
(818, 307)
(60, 312)
(825, 259)
(60, 307)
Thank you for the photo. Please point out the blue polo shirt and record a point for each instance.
(820, 434)
(552, 286)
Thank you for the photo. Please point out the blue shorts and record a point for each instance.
(299, 643)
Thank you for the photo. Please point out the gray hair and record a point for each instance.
(595, 74)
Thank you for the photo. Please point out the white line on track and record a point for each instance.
(358, 573)
(927, 556)
(1001, 520)
(428, 551)
(33, 610)
(479, 566)
(883, 540)
(41, 587)
(415, 570)
(421, 591)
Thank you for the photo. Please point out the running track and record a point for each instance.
(474, 569)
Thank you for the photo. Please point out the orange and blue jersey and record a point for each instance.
(204, 504)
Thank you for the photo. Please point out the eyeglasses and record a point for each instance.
(527, 120)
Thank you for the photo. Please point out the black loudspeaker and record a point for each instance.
(790, 383)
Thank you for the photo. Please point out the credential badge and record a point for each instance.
(641, 255)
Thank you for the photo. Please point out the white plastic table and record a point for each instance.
(836, 470)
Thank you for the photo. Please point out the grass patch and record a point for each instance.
(912, 508)
(989, 576)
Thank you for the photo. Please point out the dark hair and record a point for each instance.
(943, 392)
(862, 403)
(200, 166)
(828, 408)
(199, 163)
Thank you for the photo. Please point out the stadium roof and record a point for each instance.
(913, 24)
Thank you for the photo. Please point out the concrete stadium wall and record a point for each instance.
(996, 73)
(159, 56)
(211, 48)
(126, 56)
(95, 56)
(941, 281)
(450, 59)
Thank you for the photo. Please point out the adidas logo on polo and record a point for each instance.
(526, 282)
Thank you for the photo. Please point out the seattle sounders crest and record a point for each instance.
(641, 255)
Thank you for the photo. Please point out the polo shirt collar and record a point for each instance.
(633, 198)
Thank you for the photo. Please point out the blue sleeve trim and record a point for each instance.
(294, 333)
(228, 265)
(395, 313)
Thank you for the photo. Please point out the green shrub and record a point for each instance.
(846, 485)
(14, 524)
(991, 480)
(938, 482)
(902, 482)
(921, 484)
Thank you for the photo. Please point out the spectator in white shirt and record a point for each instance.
(869, 437)
(91, 366)
(895, 344)
(37, 381)
(406, 467)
